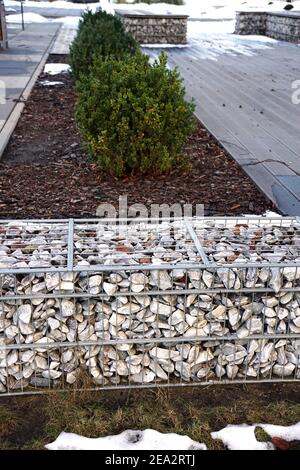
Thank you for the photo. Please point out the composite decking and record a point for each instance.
(243, 95)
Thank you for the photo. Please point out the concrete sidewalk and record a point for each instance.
(19, 67)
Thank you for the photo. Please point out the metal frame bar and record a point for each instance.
(70, 245)
(150, 386)
(197, 242)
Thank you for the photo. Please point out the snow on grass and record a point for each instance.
(234, 437)
(28, 18)
(68, 20)
(288, 433)
(55, 69)
(196, 9)
(59, 4)
(211, 9)
(127, 440)
(242, 437)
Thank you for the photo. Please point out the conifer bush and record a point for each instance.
(134, 115)
(99, 35)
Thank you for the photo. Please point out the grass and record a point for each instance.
(31, 422)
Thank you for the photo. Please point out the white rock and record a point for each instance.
(219, 312)
(161, 353)
(139, 278)
(67, 308)
(51, 374)
(145, 376)
(52, 281)
(26, 329)
(284, 371)
(116, 319)
(53, 323)
(232, 371)
(27, 356)
(178, 316)
(110, 289)
(161, 279)
(95, 281)
(24, 313)
(160, 308)
(129, 308)
(40, 362)
(208, 278)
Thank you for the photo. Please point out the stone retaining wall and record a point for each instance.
(156, 29)
(282, 26)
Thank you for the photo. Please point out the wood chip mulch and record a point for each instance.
(46, 172)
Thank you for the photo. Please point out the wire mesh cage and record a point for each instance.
(104, 303)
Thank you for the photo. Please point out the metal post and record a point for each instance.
(22, 13)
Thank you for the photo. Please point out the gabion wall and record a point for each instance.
(90, 304)
(156, 29)
(282, 26)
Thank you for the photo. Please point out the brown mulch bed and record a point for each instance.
(46, 172)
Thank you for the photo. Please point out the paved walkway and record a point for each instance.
(243, 92)
(18, 65)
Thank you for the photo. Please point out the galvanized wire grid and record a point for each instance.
(102, 359)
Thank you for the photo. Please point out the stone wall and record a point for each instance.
(251, 23)
(282, 26)
(156, 29)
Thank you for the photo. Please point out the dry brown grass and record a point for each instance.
(195, 412)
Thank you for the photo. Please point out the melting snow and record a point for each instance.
(49, 83)
(127, 440)
(28, 18)
(242, 437)
(55, 69)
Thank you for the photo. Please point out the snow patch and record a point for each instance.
(55, 69)
(28, 18)
(288, 433)
(163, 46)
(211, 9)
(67, 20)
(127, 440)
(242, 437)
(49, 83)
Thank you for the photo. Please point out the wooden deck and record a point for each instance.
(245, 101)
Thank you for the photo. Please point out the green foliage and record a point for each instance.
(99, 35)
(261, 435)
(133, 115)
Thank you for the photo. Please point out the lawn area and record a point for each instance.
(31, 422)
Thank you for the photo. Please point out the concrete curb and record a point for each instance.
(14, 116)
